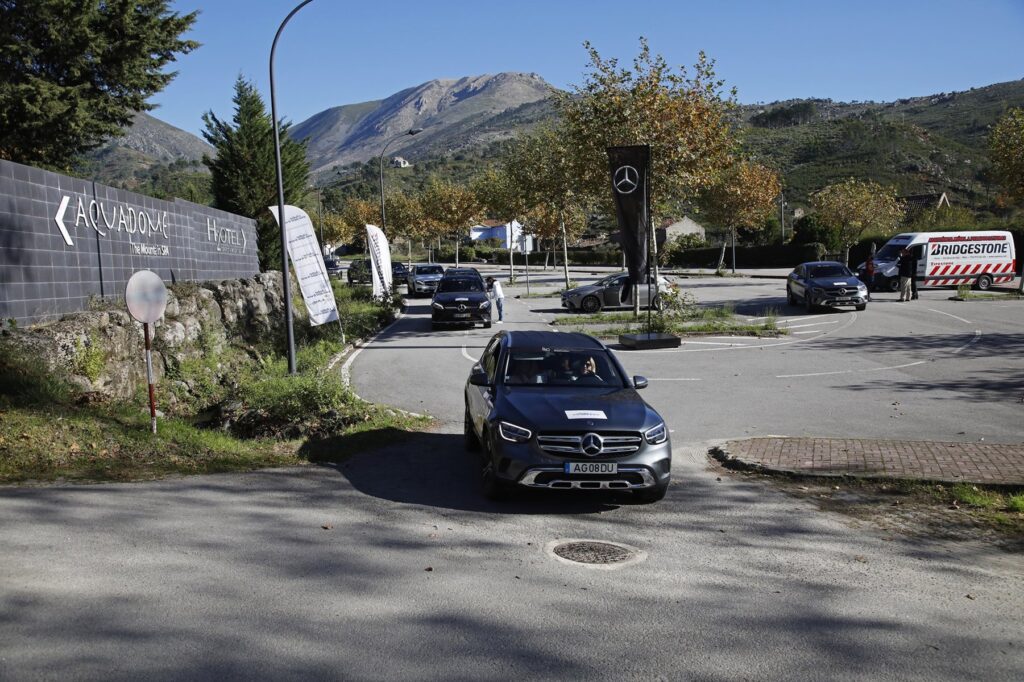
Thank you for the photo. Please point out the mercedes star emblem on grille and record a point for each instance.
(591, 444)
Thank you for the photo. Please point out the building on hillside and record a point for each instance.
(399, 162)
(505, 233)
(670, 229)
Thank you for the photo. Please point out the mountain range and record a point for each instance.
(921, 144)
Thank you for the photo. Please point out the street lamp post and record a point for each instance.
(280, 197)
(412, 131)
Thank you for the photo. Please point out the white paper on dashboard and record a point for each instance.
(585, 414)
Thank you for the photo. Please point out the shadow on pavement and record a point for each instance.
(433, 469)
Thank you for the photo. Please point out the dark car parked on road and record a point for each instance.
(825, 283)
(557, 411)
(460, 300)
(398, 273)
(359, 272)
(333, 266)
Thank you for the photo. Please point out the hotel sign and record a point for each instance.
(106, 217)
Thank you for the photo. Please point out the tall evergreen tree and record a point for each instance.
(244, 178)
(72, 74)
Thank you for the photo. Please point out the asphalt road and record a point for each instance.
(234, 576)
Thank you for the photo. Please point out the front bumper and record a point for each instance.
(451, 316)
(527, 465)
(837, 302)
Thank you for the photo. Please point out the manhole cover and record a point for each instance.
(588, 552)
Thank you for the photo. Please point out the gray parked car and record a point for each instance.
(422, 278)
(608, 293)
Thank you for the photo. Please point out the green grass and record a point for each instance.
(695, 329)
(48, 431)
(989, 295)
(978, 497)
(1016, 503)
(695, 320)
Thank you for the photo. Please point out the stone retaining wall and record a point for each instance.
(102, 351)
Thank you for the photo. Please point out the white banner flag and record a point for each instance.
(380, 258)
(304, 253)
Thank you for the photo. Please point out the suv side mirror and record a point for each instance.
(479, 379)
(639, 382)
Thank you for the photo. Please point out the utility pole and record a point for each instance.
(782, 214)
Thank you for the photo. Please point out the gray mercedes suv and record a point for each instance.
(557, 411)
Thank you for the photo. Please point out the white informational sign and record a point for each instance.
(585, 414)
(380, 259)
(146, 296)
(304, 252)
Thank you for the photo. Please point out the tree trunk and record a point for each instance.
(846, 255)
(565, 253)
(721, 257)
(734, 250)
(456, 253)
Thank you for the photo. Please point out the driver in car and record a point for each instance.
(588, 372)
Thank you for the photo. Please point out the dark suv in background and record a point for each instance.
(557, 411)
(460, 299)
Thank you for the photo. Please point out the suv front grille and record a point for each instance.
(572, 444)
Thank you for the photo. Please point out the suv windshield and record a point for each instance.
(830, 271)
(429, 270)
(890, 251)
(460, 285)
(550, 367)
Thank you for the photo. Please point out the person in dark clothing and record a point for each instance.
(906, 268)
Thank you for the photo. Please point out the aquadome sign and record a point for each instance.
(105, 217)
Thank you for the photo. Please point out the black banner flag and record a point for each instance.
(630, 170)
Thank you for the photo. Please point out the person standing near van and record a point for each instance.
(906, 268)
(499, 297)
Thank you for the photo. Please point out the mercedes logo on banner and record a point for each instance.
(592, 444)
(626, 179)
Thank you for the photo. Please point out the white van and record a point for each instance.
(980, 258)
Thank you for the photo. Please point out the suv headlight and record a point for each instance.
(485, 304)
(513, 433)
(436, 306)
(659, 434)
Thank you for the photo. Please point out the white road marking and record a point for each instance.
(810, 331)
(949, 315)
(676, 379)
(849, 371)
(467, 355)
(977, 335)
(811, 324)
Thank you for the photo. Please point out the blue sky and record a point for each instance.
(335, 52)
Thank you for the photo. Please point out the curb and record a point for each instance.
(720, 454)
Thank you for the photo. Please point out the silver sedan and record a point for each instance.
(610, 292)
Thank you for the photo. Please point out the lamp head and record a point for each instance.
(415, 131)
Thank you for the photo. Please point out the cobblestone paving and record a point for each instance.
(967, 462)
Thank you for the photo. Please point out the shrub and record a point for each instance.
(294, 399)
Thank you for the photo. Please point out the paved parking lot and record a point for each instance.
(391, 565)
